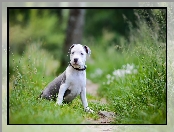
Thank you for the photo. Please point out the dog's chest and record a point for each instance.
(76, 80)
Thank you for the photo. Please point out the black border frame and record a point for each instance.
(75, 8)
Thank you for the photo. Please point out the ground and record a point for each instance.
(105, 117)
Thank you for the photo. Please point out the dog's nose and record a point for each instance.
(75, 59)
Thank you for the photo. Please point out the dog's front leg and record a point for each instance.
(84, 101)
(62, 90)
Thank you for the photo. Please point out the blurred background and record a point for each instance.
(55, 30)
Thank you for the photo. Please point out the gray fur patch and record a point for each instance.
(52, 90)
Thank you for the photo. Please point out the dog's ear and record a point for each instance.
(71, 46)
(87, 49)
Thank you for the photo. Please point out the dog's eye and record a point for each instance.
(81, 53)
(72, 53)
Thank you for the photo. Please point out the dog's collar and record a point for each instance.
(78, 68)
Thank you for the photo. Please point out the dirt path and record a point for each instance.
(105, 116)
(92, 89)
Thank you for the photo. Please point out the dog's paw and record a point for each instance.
(87, 109)
(58, 103)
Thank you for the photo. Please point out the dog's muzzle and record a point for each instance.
(78, 68)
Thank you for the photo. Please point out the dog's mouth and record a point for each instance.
(75, 64)
(78, 67)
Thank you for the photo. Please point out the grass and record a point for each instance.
(131, 75)
(140, 98)
(31, 73)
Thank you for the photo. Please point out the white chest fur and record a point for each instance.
(75, 81)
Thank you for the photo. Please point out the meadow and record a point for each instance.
(131, 76)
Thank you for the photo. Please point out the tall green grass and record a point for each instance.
(140, 98)
(30, 74)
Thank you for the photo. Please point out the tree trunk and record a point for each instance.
(73, 34)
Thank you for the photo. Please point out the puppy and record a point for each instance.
(72, 81)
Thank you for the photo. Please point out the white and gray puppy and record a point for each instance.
(72, 81)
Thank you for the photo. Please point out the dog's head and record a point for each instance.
(78, 54)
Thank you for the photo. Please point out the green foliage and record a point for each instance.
(155, 20)
(31, 73)
(40, 26)
(112, 20)
(141, 98)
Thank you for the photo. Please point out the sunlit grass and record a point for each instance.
(140, 98)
